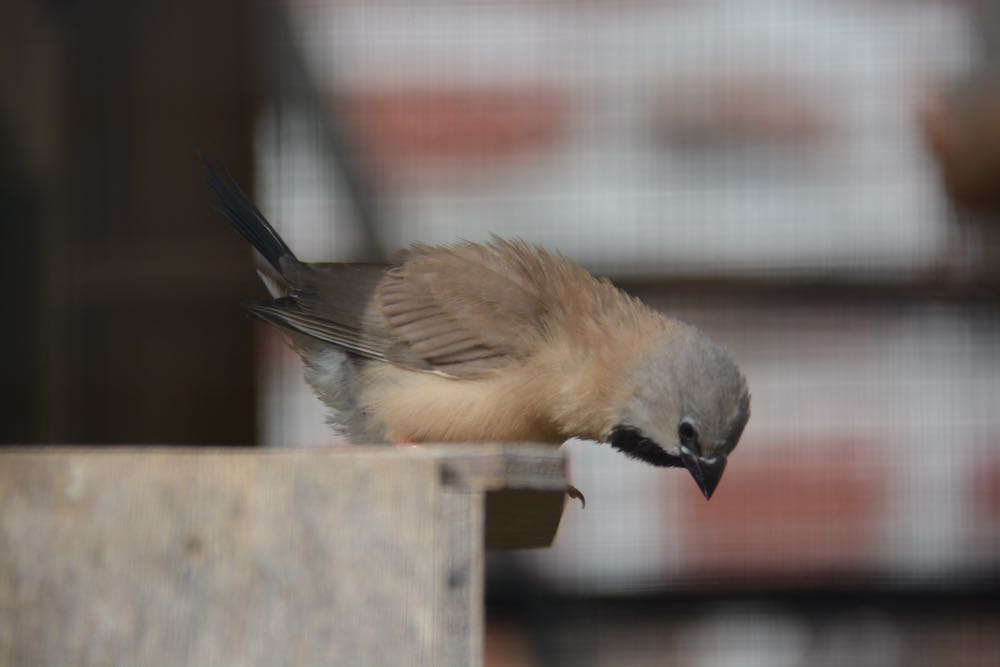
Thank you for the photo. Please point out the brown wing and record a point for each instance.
(462, 310)
(332, 303)
(467, 309)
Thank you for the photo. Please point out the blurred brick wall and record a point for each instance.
(671, 140)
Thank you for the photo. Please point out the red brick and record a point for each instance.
(411, 128)
(798, 510)
(986, 484)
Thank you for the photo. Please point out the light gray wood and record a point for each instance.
(345, 556)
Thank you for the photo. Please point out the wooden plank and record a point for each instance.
(251, 557)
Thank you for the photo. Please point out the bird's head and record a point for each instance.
(688, 408)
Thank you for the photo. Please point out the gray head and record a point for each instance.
(689, 407)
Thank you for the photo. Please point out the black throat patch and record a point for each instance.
(631, 442)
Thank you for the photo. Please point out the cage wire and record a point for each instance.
(762, 169)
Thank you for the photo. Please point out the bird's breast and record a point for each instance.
(412, 406)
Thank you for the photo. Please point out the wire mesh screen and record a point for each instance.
(786, 175)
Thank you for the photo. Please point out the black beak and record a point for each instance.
(706, 471)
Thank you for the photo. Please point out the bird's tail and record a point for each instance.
(245, 218)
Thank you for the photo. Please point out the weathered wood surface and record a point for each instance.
(345, 556)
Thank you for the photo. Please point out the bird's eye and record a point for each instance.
(687, 433)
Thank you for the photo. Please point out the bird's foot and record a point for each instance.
(576, 494)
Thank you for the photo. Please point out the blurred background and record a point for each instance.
(815, 183)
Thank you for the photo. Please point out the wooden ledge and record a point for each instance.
(524, 484)
(341, 555)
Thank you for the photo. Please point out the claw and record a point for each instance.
(576, 494)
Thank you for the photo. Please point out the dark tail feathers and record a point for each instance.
(245, 218)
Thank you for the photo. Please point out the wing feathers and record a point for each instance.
(460, 311)
(464, 304)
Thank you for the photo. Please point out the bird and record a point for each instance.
(495, 341)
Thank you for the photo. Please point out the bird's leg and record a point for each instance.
(576, 494)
